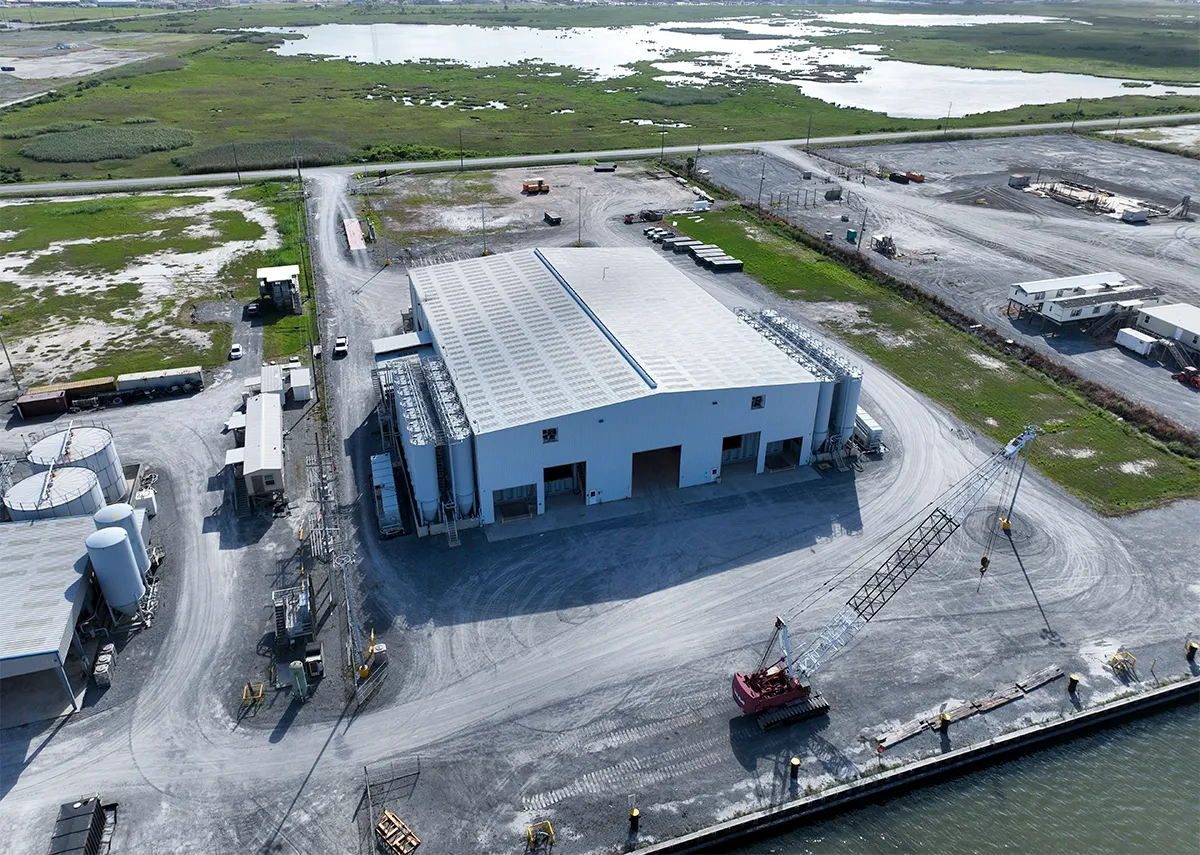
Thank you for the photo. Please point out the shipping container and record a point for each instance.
(160, 379)
(79, 388)
(867, 431)
(1136, 340)
(42, 404)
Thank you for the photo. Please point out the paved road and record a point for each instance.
(526, 159)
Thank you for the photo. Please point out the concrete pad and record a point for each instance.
(566, 517)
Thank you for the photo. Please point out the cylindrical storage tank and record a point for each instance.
(116, 568)
(89, 446)
(66, 492)
(462, 471)
(422, 474)
(121, 515)
(824, 409)
(849, 411)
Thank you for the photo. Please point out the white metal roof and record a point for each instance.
(42, 583)
(535, 334)
(300, 378)
(1109, 278)
(271, 379)
(264, 434)
(279, 274)
(1182, 315)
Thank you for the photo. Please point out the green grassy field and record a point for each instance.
(1103, 461)
(237, 92)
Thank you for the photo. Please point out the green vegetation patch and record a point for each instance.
(264, 154)
(56, 128)
(683, 96)
(90, 145)
(1103, 461)
(39, 224)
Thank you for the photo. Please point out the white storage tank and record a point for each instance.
(116, 568)
(89, 446)
(462, 471)
(69, 491)
(121, 515)
(422, 474)
(824, 411)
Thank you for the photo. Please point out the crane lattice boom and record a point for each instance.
(920, 545)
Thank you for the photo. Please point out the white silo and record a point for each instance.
(421, 462)
(68, 491)
(824, 411)
(89, 446)
(116, 568)
(121, 515)
(462, 472)
(847, 409)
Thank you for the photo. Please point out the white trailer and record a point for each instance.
(1139, 342)
(867, 431)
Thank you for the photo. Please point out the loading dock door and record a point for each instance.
(657, 470)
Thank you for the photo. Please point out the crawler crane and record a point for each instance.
(781, 693)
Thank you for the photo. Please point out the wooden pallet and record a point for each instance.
(998, 699)
(395, 835)
(1040, 678)
(905, 731)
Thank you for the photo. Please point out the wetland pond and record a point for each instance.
(727, 53)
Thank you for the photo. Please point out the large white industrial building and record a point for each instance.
(586, 375)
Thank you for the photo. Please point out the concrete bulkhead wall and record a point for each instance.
(606, 438)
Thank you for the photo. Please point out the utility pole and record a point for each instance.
(808, 138)
(946, 124)
(483, 224)
(762, 179)
(579, 220)
(662, 141)
(460, 151)
(11, 369)
(1078, 108)
(861, 229)
(236, 166)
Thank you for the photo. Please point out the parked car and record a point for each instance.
(252, 309)
(235, 352)
(341, 346)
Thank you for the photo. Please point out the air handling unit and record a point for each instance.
(89, 446)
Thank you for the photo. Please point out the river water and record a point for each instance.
(1131, 789)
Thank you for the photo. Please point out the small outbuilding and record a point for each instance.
(1179, 322)
(281, 285)
(552, 218)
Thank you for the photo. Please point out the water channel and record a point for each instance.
(773, 50)
(1131, 789)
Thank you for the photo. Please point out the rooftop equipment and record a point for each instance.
(387, 503)
(69, 491)
(116, 569)
(87, 445)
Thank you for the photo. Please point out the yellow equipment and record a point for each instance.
(540, 834)
(1122, 663)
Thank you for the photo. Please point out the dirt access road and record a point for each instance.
(555, 673)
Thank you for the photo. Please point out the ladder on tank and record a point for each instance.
(449, 513)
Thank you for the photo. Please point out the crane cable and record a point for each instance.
(884, 548)
(1005, 484)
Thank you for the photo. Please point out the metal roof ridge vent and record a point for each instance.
(408, 384)
(818, 371)
(811, 344)
(613, 340)
(446, 403)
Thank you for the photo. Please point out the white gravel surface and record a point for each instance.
(556, 675)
